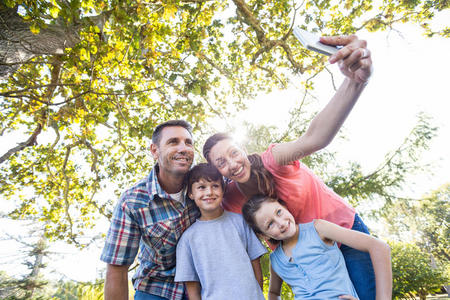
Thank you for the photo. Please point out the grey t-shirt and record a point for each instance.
(218, 254)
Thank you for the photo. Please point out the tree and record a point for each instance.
(412, 272)
(435, 223)
(7, 286)
(89, 83)
(32, 285)
(427, 220)
(70, 290)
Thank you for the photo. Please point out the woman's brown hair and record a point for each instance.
(264, 178)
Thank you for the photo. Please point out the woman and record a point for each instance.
(278, 173)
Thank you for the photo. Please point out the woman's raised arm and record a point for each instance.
(355, 63)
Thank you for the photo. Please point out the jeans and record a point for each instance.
(359, 265)
(144, 296)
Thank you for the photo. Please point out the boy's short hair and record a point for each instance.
(203, 171)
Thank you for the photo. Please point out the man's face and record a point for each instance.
(175, 151)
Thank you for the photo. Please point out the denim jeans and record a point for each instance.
(359, 265)
(144, 296)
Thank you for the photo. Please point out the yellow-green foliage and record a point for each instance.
(85, 114)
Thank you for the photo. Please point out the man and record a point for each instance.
(151, 216)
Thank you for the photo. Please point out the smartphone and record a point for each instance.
(312, 42)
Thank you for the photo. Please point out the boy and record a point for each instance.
(217, 256)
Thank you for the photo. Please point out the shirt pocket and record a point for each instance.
(163, 237)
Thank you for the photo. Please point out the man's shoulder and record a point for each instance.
(140, 186)
(138, 194)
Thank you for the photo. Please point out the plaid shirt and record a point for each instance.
(148, 219)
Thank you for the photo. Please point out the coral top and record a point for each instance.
(305, 194)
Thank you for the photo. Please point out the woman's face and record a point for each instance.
(275, 221)
(230, 160)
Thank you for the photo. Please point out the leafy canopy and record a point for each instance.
(85, 82)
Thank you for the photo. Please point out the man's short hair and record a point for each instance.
(203, 171)
(156, 136)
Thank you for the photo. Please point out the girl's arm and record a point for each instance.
(356, 64)
(256, 265)
(379, 252)
(194, 290)
(274, 285)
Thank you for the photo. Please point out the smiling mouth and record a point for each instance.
(182, 159)
(237, 172)
(209, 200)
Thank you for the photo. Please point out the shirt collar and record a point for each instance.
(155, 189)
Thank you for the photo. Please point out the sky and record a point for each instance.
(410, 76)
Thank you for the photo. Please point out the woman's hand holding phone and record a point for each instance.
(354, 59)
(349, 52)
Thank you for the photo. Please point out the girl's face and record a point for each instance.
(230, 160)
(275, 221)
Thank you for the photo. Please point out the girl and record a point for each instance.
(278, 173)
(308, 258)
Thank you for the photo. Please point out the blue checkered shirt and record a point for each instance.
(148, 219)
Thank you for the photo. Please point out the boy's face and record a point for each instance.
(275, 221)
(207, 195)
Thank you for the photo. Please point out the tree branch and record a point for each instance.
(66, 190)
(51, 85)
(272, 74)
(56, 70)
(29, 142)
(266, 45)
(223, 71)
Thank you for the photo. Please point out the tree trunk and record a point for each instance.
(18, 44)
(39, 252)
